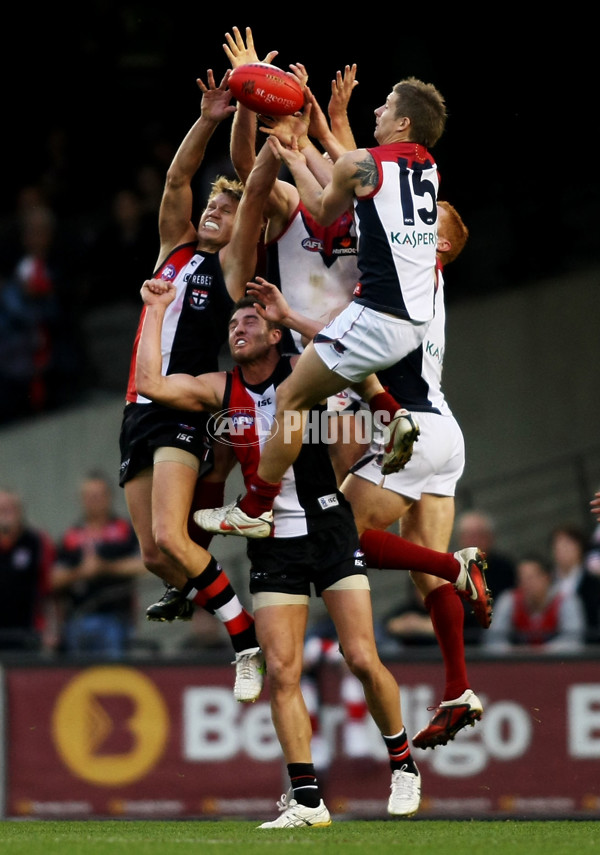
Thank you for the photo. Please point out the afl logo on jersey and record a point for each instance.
(169, 273)
(312, 244)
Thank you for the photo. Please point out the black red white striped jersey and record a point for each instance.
(397, 233)
(195, 323)
(309, 497)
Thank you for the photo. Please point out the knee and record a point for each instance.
(362, 663)
(284, 673)
(168, 543)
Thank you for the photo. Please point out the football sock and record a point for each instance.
(384, 402)
(385, 550)
(208, 494)
(212, 591)
(304, 784)
(447, 616)
(260, 497)
(399, 752)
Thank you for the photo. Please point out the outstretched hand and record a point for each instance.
(215, 105)
(240, 53)
(341, 90)
(289, 154)
(271, 304)
(285, 128)
(595, 505)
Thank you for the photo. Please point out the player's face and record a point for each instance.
(216, 222)
(385, 119)
(248, 335)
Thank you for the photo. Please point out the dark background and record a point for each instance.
(117, 81)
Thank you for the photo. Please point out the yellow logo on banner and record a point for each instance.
(110, 725)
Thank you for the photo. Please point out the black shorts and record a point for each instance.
(288, 565)
(146, 427)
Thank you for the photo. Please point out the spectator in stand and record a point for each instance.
(480, 528)
(501, 573)
(535, 615)
(409, 624)
(26, 557)
(95, 571)
(42, 356)
(568, 544)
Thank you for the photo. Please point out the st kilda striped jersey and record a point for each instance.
(195, 325)
(309, 497)
(397, 233)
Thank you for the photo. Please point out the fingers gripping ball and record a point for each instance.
(264, 88)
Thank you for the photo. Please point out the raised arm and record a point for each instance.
(181, 391)
(275, 308)
(325, 204)
(341, 91)
(242, 144)
(282, 198)
(175, 215)
(238, 258)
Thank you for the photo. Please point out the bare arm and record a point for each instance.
(351, 172)
(174, 218)
(181, 391)
(92, 565)
(288, 128)
(242, 144)
(238, 258)
(277, 309)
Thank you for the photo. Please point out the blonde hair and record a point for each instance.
(231, 186)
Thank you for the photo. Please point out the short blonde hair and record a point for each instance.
(231, 186)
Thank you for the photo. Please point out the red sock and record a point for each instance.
(208, 494)
(259, 497)
(384, 402)
(447, 616)
(387, 551)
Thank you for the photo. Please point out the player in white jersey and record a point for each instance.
(421, 496)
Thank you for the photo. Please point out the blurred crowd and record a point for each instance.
(79, 594)
(68, 249)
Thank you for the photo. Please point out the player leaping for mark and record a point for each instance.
(393, 302)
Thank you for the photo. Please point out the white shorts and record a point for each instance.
(436, 465)
(347, 401)
(360, 341)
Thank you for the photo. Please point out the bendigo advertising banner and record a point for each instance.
(169, 741)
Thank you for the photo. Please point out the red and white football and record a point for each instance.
(266, 89)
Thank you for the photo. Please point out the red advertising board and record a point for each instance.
(169, 741)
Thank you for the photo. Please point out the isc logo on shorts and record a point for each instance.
(330, 501)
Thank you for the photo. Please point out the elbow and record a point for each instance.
(144, 385)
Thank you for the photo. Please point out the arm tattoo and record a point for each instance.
(366, 172)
